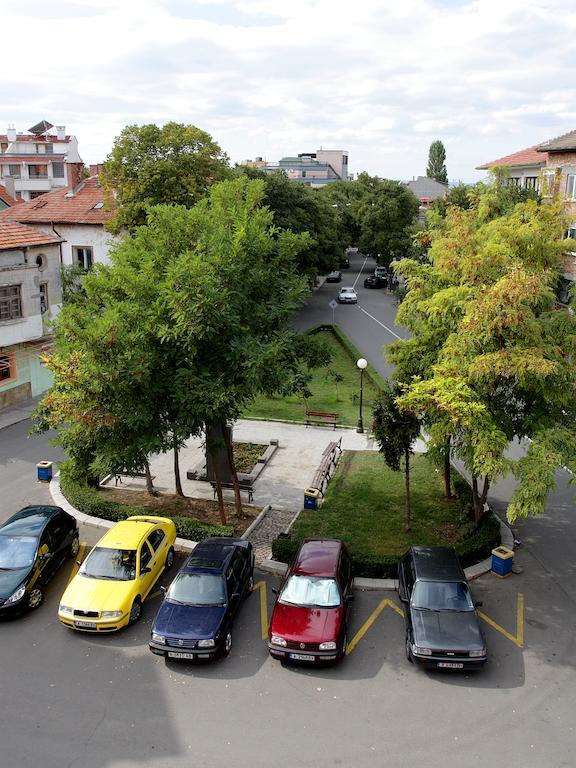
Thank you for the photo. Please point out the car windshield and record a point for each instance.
(442, 596)
(311, 591)
(17, 551)
(114, 564)
(198, 589)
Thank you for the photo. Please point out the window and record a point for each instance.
(38, 171)
(14, 170)
(7, 367)
(531, 182)
(155, 539)
(10, 302)
(571, 232)
(548, 183)
(145, 556)
(58, 170)
(514, 181)
(311, 591)
(44, 297)
(3, 146)
(571, 186)
(83, 256)
(50, 148)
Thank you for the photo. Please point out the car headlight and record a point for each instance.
(330, 646)
(478, 654)
(421, 651)
(206, 643)
(276, 640)
(110, 614)
(65, 609)
(18, 595)
(158, 638)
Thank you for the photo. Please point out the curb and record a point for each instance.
(263, 512)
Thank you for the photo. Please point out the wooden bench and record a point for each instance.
(331, 449)
(119, 475)
(247, 487)
(321, 417)
(330, 458)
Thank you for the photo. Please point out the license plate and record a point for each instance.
(85, 624)
(176, 655)
(450, 665)
(301, 657)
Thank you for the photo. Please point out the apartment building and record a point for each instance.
(313, 169)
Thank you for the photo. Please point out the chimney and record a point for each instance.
(11, 134)
(60, 132)
(9, 186)
(96, 169)
(75, 173)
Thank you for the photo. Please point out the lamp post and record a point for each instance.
(361, 363)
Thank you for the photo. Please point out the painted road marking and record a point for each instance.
(519, 638)
(382, 324)
(261, 585)
(370, 620)
(359, 273)
(75, 567)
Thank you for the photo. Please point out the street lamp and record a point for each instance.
(361, 363)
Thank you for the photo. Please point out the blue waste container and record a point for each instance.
(502, 561)
(311, 496)
(44, 470)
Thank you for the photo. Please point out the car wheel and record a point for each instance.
(409, 651)
(227, 643)
(74, 547)
(35, 597)
(135, 611)
(169, 560)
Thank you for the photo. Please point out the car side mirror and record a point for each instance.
(163, 589)
(478, 604)
(235, 595)
(78, 562)
(275, 591)
(145, 570)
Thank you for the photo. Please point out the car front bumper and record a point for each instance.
(184, 654)
(94, 626)
(13, 609)
(449, 662)
(347, 301)
(295, 655)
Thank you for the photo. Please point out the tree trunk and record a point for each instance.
(234, 476)
(479, 497)
(216, 470)
(149, 484)
(408, 518)
(447, 470)
(177, 480)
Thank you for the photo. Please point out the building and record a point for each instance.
(314, 169)
(75, 215)
(38, 161)
(426, 190)
(550, 168)
(30, 296)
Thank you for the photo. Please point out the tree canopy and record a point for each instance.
(437, 162)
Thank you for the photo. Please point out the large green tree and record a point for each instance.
(151, 165)
(437, 162)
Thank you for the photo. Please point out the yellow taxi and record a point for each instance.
(113, 581)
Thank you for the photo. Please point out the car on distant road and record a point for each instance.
(334, 277)
(310, 618)
(373, 281)
(345, 263)
(442, 626)
(196, 616)
(33, 545)
(112, 583)
(381, 272)
(347, 296)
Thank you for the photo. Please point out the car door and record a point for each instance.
(147, 574)
(233, 584)
(158, 543)
(44, 565)
(405, 587)
(58, 531)
(345, 579)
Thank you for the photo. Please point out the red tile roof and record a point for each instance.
(6, 197)
(14, 235)
(64, 206)
(530, 156)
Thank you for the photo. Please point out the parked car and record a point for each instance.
(112, 583)
(310, 617)
(334, 277)
(345, 263)
(196, 616)
(373, 281)
(442, 627)
(347, 296)
(33, 545)
(381, 272)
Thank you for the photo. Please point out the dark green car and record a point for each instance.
(33, 545)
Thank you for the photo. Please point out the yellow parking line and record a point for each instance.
(75, 567)
(519, 639)
(261, 585)
(370, 620)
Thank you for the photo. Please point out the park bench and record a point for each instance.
(244, 486)
(119, 474)
(321, 417)
(330, 456)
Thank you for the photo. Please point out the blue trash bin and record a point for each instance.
(311, 496)
(44, 470)
(502, 561)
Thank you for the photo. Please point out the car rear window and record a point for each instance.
(442, 596)
(311, 591)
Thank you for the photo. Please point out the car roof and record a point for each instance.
(213, 553)
(437, 564)
(318, 557)
(127, 534)
(30, 521)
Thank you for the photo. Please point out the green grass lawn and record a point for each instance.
(323, 390)
(364, 506)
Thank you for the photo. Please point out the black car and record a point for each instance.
(334, 277)
(195, 618)
(442, 627)
(33, 545)
(374, 281)
(345, 263)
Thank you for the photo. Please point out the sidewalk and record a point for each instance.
(15, 413)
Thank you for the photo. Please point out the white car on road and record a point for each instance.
(347, 296)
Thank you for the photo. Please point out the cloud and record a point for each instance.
(378, 78)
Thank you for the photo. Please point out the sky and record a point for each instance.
(380, 79)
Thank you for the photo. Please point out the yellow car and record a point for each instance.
(112, 583)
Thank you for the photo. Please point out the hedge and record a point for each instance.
(89, 501)
(474, 548)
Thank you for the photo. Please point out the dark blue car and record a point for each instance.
(195, 618)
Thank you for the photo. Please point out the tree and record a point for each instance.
(395, 432)
(492, 357)
(437, 162)
(149, 165)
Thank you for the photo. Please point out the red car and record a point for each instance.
(309, 620)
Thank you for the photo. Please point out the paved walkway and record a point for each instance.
(15, 413)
